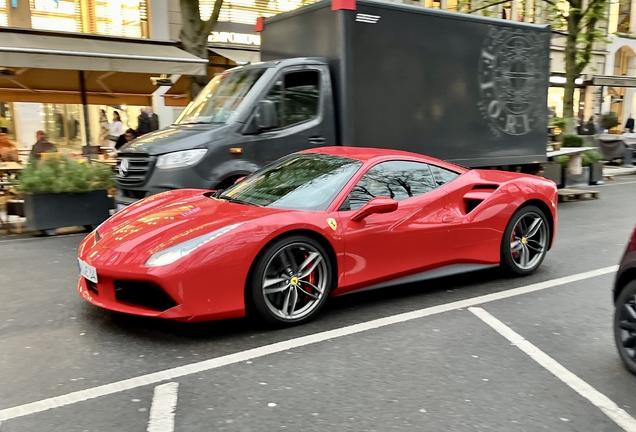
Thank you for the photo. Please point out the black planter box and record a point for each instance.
(554, 172)
(596, 173)
(50, 211)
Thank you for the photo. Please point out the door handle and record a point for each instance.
(448, 218)
(317, 140)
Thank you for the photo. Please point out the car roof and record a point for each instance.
(366, 154)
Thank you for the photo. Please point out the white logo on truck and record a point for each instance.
(512, 81)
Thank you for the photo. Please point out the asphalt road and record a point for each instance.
(442, 368)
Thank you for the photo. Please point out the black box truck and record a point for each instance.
(467, 89)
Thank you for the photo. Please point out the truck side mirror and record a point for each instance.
(266, 115)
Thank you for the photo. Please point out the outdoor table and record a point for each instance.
(575, 153)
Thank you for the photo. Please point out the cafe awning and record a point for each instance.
(43, 67)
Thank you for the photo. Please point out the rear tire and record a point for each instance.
(525, 241)
(291, 281)
(626, 339)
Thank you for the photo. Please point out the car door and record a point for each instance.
(412, 239)
(300, 105)
(474, 235)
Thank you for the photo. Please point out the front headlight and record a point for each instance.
(173, 253)
(180, 159)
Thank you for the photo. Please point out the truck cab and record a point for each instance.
(245, 118)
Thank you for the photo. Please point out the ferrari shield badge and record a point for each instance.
(332, 223)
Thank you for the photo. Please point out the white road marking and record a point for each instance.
(242, 356)
(618, 415)
(164, 403)
(60, 236)
(614, 184)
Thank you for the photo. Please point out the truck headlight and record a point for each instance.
(178, 251)
(180, 159)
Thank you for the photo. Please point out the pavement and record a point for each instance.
(477, 352)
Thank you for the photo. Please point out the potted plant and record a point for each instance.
(592, 159)
(62, 192)
(609, 121)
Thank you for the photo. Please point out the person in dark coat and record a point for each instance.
(143, 122)
(42, 145)
(154, 119)
(629, 126)
(591, 126)
(125, 138)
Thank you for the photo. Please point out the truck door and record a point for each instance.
(302, 96)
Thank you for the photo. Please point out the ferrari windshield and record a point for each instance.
(221, 98)
(298, 182)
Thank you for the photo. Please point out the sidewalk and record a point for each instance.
(618, 171)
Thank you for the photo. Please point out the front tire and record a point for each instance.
(625, 326)
(291, 280)
(525, 241)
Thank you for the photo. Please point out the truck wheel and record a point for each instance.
(291, 280)
(525, 241)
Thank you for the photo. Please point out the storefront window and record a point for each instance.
(6, 120)
(128, 18)
(57, 15)
(246, 11)
(3, 13)
(62, 124)
(555, 100)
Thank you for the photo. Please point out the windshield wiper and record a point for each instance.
(236, 201)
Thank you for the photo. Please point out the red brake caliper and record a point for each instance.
(312, 280)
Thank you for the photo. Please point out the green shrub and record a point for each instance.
(64, 175)
(563, 160)
(572, 141)
(558, 122)
(590, 157)
(609, 120)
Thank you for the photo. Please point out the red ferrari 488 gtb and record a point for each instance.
(311, 225)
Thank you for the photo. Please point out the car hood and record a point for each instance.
(174, 138)
(166, 219)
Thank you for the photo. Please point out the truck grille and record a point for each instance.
(135, 171)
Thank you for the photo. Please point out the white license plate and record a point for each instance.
(88, 271)
(121, 207)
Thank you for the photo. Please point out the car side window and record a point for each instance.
(442, 175)
(396, 179)
(296, 96)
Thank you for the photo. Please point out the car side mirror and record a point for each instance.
(266, 115)
(240, 179)
(377, 205)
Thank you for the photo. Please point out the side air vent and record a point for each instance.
(475, 197)
(486, 187)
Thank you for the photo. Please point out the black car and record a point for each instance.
(625, 303)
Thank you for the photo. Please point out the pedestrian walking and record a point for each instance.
(629, 126)
(591, 126)
(104, 132)
(116, 128)
(143, 122)
(154, 119)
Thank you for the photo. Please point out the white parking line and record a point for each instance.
(164, 403)
(206, 365)
(598, 399)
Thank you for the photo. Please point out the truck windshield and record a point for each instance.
(220, 99)
(298, 182)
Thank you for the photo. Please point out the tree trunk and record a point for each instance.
(194, 37)
(571, 74)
